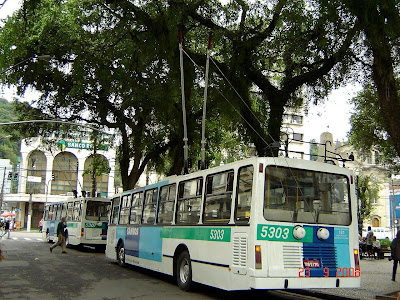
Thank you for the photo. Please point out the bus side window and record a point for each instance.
(46, 213)
(115, 210)
(77, 211)
(58, 212)
(51, 212)
(149, 209)
(125, 209)
(244, 194)
(64, 212)
(166, 204)
(218, 202)
(136, 208)
(189, 201)
(70, 209)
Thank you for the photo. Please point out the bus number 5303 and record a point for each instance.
(275, 232)
(217, 234)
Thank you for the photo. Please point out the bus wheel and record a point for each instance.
(121, 255)
(184, 271)
(48, 236)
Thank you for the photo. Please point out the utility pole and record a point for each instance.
(94, 162)
(2, 189)
(393, 211)
(29, 218)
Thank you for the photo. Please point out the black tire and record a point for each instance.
(184, 271)
(121, 255)
(48, 237)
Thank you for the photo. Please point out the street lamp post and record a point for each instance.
(47, 189)
(393, 210)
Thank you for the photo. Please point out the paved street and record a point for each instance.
(30, 271)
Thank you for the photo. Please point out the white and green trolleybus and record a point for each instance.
(87, 220)
(259, 223)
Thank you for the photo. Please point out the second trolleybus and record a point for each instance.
(87, 220)
(259, 223)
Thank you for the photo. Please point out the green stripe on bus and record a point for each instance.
(94, 225)
(217, 234)
(72, 224)
(282, 233)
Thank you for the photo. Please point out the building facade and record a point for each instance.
(368, 165)
(53, 173)
(292, 134)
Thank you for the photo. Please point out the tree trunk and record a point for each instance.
(373, 19)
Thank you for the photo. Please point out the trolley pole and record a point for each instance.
(29, 218)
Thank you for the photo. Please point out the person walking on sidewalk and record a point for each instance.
(41, 225)
(395, 250)
(62, 234)
(7, 228)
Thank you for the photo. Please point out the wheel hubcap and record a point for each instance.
(121, 254)
(184, 270)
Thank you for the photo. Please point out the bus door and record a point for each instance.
(96, 225)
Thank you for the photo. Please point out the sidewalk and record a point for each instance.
(376, 282)
(34, 233)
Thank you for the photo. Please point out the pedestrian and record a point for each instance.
(7, 228)
(41, 225)
(370, 248)
(377, 248)
(395, 251)
(62, 234)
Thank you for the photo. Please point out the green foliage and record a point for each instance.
(367, 188)
(379, 22)
(368, 131)
(280, 49)
(116, 64)
(9, 147)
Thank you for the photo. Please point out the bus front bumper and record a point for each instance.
(304, 283)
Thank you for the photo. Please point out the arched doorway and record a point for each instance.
(36, 172)
(102, 180)
(65, 173)
(376, 222)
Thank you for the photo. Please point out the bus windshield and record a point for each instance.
(304, 196)
(96, 210)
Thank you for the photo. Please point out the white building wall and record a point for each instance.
(293, 128)
(5, 168)
(80, 154)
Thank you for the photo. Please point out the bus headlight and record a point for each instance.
(323, 234)
(299, 232)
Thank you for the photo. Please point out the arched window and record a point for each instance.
(376, 222)
(36, 169)
(65, 173)
(99, 162)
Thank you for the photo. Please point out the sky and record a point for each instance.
(332, 116)
(10, 93)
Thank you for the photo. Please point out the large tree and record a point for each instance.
(103, 70)
(116, 64)
(367, 188)
(286, 50)
(380, 21)
(368, 131)
(9, 147)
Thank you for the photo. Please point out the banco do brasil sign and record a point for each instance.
(80, 145)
